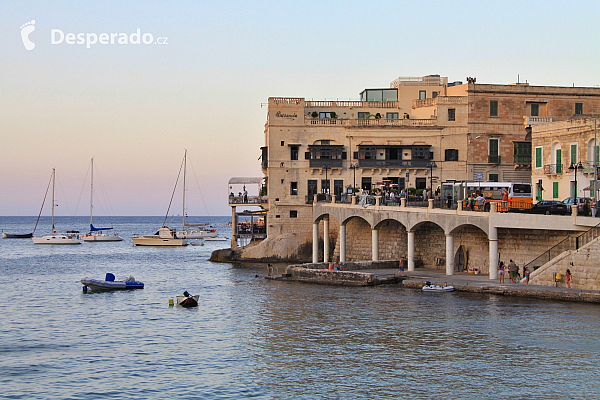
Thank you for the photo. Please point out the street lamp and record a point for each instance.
(325, 189)
(354, 167)
(575, 167)
(431, 165)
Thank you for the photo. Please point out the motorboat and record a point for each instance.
(70, 237)
(216, 239)
(200, 233)
(197, 243)
(110, 283)
(163, 237)
(98, 234)
(429, 287)
(187, 300)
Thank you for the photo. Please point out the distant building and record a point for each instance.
(559, 148)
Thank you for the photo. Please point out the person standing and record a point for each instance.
(401, 267)
(501, 268)
(526, 275)
(594, 206)
(449, 201)
(569, 276)
(480, 202)
(513, 270)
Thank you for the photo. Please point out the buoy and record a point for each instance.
(171, 303)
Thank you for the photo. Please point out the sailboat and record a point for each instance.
(166, 236)
(54, 237)
(97, 234)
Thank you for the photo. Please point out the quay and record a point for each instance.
(382, 272)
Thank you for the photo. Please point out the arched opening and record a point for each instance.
(393, 240)
(358, 240)
(461, 258)
(430, 245)
(475, 248)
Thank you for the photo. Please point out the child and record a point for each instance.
(526, 273)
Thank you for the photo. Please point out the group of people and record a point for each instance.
(513, 271)
(243, 197)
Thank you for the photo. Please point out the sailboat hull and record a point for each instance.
(155, 240)
(56, 239)
(102, 238)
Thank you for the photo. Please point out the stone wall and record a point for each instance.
(430, 244)
(583, 264)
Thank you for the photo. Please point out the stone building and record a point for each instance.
(416, 134)
(566, 158)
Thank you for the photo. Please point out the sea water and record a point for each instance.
(256, 338)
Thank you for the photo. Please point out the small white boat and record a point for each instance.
(109, 283)
(197, 243)
(164, 237)
(436, 288)
(216, 239)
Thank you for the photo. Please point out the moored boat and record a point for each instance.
(429, 287)
(163, 237)
(16, 235)
(110, 283)
(187, 300)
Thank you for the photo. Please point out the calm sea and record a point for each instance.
(255, 338)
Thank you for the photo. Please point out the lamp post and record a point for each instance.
(575, 167)
(326, 168)
(354, 167)
(431, 165)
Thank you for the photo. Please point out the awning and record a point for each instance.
(245, 181)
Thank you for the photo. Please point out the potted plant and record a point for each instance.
(314, 114)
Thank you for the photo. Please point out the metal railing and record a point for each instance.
(552, 169)
(568, 243)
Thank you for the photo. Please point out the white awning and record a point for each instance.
(245, 181)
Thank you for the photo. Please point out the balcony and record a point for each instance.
(324, 162)
(529, 120)
(524, 159)
(392, 163)
(494, 159)
(256, 200)
(553, 169)
(357, 104)
(370, 122)
(439, 100)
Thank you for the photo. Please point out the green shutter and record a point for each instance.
(538, 157)
(558, 161)
(555, 190)
(573, 154)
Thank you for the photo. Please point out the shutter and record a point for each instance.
(355, 156)
(307, 155)
(344, 155)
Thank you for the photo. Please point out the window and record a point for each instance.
(363, 115)
(493, 178)
(294, 188)
(578, 108)
(420, 183)
(379, 95)
(324, 115)
(434, 95)
(325, 186)
(558, 161)
(535, 110)
(422, 94)
(294, 152)
(555, 190)
(366, 183)
(312, 188)
(451, 155)
(391, 115)
(338, 187)
(451, 114)
(538, 157)
(522, 153)
(282, 143)
(574, 154)
(293, 214)
(493, 108)
(494, 156)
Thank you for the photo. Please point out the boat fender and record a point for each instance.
(85, 289)
(171, 303)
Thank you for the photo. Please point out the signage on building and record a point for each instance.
(479, 175)
(282, 115)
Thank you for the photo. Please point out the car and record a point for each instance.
(549, 207)
(582, 209)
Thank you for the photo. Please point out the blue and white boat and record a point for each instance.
(109, 283)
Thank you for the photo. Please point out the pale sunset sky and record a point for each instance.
(136, 107)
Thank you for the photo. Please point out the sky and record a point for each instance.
(135, 108)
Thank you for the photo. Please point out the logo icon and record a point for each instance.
(26, 29)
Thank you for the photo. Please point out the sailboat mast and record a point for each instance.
(92, 193)
(53, 183)
(184, 173)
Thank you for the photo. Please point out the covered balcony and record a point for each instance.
(248, 190)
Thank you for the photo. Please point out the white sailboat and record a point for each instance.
(55, 237)
(98, 234)
(166, 236)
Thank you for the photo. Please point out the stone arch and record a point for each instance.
(475, 244)
(430, 245)
(358, 239)
(393, 239)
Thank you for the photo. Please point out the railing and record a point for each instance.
(325, 162)
(569, 243)
(248, 199)
(392, 163)
(536, 120)
(439, 100)
(370, 122)
(287, 100)
(361, 104)
(493, 159)
(553, 169)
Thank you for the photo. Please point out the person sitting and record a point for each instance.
(189, 300)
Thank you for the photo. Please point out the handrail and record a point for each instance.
(568, 243)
